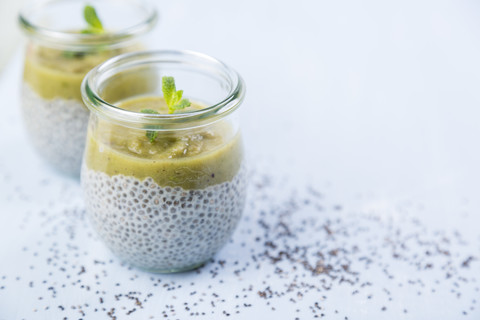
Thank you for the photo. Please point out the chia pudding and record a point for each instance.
(159, 228)
(166, 205)
(59, 53)
(54, 114)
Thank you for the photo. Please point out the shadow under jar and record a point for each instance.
(60, 51)
(164, 191)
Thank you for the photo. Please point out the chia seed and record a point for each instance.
(165, 242)
(57, 129)
(287, 254)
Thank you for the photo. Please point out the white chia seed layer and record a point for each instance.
(162, 229)
(57, 129)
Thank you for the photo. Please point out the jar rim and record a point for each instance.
(180, 120)
(79, 41)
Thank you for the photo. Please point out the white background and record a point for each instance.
(379, 100)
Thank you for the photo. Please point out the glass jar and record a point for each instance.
(60, 51)
(164, 191)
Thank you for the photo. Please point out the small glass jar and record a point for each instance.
(164, 191)
(59, 53)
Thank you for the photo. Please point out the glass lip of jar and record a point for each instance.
(162, 122)
(81, 41)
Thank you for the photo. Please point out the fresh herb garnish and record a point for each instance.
(73, 54)
(174, 101)
(150, 111)
(95, 26)
(151, 135)
(172, 97)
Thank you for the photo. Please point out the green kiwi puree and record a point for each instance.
(194, 159)
(53, 73)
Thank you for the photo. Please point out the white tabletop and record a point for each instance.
(362, 126)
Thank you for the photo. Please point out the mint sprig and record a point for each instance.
(95, 26)
(174, 101)
(172, 97)
(151, 135)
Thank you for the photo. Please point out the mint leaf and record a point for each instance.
(91, 17)
(151, 135)
(172, 97)
(168, 89)
(72, 54)
(178, 95)
(91, 31)
(95, 26)
(150, 111)
(181, 105)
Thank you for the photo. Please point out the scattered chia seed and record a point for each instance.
(293, 252)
